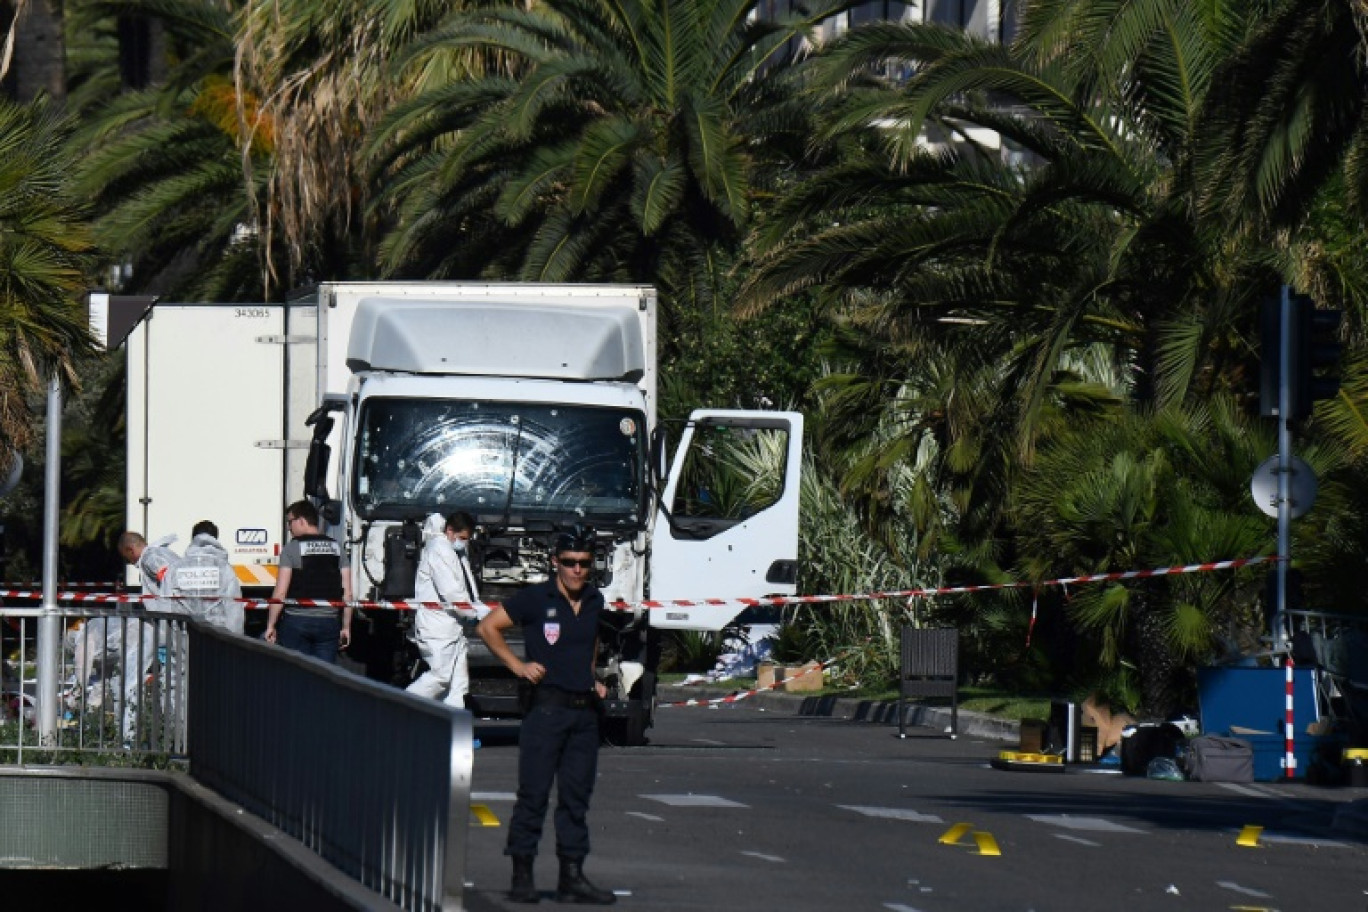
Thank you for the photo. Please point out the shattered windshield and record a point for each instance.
(529, 461)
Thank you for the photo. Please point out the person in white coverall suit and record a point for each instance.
(206, 574)
(444, 575)
(157, 565)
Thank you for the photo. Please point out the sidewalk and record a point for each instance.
(1351, 818)
(854, 709)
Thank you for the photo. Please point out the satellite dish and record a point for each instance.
(1301, 494)
(11, 478)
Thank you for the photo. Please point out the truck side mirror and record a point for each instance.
(316, 470)
(320, 454)
(660, 460)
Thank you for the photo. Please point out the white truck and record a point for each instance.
(530, 406)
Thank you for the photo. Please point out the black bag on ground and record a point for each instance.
(1215, 758)
(1147, 741)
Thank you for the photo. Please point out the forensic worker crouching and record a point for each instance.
(560, 733)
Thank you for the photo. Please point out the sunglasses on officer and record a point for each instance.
(584, 563)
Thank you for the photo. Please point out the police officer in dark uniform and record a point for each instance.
(312, 566)
(560, 733)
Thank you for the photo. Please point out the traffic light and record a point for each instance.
(1316, 358)
(1313, 355)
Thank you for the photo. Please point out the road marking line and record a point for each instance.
(694, 801)
(955, 833)
(1231, 885)
(1288, 839)
(1249, 837)
(1093, 824)
(644, 816)
(891, 813)
(1078, 839)
(763, 857)
(484, 815)
(987, 845)
(899, 907)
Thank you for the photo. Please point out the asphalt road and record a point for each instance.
(738, 806)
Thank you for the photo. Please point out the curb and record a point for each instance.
(852, 709)
(1352, 819)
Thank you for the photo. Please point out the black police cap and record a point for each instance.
(569, 542)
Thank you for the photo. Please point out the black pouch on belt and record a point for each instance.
(550, 696)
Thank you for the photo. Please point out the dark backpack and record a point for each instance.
(1144, 742)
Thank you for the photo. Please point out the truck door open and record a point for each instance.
(727, 524)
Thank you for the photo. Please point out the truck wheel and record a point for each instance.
(627, 730)
(634, 727)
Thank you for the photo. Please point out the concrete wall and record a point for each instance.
(214, 855)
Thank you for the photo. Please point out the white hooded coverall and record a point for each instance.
(157, 566)
(205, 573)
(443, 576)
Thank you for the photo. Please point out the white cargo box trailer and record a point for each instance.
(214, 393)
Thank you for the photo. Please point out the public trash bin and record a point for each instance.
(1355, 765)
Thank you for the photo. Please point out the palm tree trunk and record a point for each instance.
(1155, 660)
(1360, 12)
(35, 58)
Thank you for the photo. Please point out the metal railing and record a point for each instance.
(373, 779)
(102, 708)
(1340, 645)
(1325, 624)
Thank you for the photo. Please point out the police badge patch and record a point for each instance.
(551, 632)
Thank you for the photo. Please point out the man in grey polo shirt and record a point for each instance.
(312, 566)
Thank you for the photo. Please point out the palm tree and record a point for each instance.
(1151, 490)
(164, 165)
(1092, 240)
(1009, 295)
(45, 263)
(325, 74)
(93, 466)
(1290, 113)
(618, 142)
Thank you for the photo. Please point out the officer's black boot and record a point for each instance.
(574, 888)
(524, 889)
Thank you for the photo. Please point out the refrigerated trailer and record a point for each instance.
(530, 406)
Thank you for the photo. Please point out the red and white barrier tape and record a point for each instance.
(656, 604)
(107, 584)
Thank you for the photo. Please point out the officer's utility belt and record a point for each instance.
(545, 695)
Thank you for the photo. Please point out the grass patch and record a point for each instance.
(1004, 705)
(998, 703)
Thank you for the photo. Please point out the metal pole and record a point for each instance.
(1284, 466)
(50, 623)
